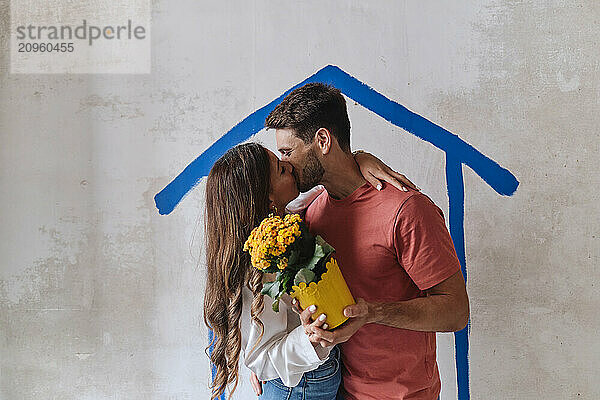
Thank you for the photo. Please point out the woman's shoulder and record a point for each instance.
(304, 199)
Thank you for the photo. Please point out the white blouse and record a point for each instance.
(304, 199)
(284, 350)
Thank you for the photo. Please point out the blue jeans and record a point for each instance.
(319, 384)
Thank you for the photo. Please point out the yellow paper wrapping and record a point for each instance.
(331, 295)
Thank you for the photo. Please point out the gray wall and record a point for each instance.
(101, 297)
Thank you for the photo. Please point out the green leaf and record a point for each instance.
(306, 246)
(304, 275)
(327, 248)
(294, 256)
(271, 289)
(276, 305)
(288, 276)
(318, 254)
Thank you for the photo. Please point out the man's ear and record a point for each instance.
(323, 139)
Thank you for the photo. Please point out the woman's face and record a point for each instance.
(283, 184)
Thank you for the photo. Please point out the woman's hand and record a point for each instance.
(359, 314)
(256, 384)
(308, 324)
(374, 171)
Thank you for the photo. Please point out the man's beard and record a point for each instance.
(312, 172)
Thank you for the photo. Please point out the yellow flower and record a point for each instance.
(282, 263)
(291, 219)
(268, 242)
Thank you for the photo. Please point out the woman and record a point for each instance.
(243, 187)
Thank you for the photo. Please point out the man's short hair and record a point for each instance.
(310, 107)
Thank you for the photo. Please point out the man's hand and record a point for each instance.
(359, 314)
(256, 384)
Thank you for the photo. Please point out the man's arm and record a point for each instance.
(445, 309)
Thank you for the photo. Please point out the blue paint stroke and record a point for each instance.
(500, 179)
(211, 336)
(456, 196)
(458, 152)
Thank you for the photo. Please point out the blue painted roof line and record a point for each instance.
(500, 179)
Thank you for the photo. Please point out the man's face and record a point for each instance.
(308, 169)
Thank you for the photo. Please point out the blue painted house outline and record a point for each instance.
(458, 152)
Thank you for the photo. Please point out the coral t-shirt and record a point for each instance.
(391, 246)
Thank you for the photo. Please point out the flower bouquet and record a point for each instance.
(304, 267)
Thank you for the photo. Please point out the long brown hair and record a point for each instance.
(237, 199)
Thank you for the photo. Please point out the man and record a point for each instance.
(393, 247)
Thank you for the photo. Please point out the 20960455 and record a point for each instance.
(46, 47)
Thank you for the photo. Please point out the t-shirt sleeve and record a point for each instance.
(423, 244)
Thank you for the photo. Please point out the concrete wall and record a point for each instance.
(101, 297)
